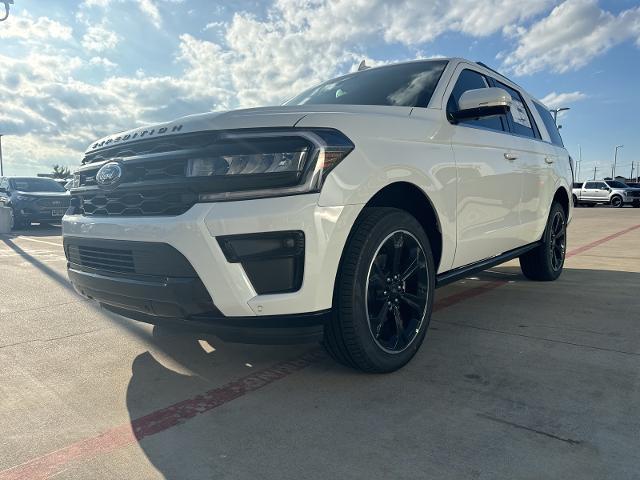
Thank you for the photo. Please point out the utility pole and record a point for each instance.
(579, 162)
(595, 169)
(615, 159)
(1, 168)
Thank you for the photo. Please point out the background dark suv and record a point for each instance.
(34, 199)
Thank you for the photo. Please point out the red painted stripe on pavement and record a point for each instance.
(49, 464)
(589, 246)
(466, 294)
(52, 463)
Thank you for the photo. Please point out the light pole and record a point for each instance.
(615, 159)
(1, 167)
(555, 112)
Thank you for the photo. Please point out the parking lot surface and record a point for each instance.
(516, 379)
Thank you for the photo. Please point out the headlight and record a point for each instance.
(268, 163)
(23, 197)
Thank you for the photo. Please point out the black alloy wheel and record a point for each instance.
(616, 202)
(558, 240)
(546, 261)
(397, 291)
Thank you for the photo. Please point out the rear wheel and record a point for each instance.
(546, 261)
(616, 201)
(384, 293)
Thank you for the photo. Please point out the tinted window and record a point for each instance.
(406, 85)
(590, 185)
(470, 80)
(577, 185)
(614, 184)
(599, 185)
(519, 117)
(549, 124)
(36, 185)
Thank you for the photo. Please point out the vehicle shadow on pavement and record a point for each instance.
(36, 231)
(501, 376)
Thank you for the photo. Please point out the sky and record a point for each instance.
(71, 72)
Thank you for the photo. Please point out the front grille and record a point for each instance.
(153, 179)
(635, 194)
(107, 259)
(141, 172)
(53, 202)
(145, 203)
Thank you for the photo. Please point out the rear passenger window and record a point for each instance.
(549, 124)
(590, 185)
(470, 80)
(519, 117)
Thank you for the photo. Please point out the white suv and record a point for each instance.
(332, 217)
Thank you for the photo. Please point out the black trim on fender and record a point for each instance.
(456, 274)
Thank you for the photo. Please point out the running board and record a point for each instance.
(466, 270)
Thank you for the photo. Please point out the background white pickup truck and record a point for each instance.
(605, 191)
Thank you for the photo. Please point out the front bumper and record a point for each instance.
(236, 302)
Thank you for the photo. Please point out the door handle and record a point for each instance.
(549, 159)
(510, 156)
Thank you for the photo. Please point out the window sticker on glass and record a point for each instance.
(519, 113)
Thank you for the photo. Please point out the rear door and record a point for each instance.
(489, 183)
(534, 162)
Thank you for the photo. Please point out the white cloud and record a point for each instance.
(555, 100)
(151, 10)
(25, 28)
(570, 37)
(102, 62)
(98, 39)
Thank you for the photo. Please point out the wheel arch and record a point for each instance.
(412, 199)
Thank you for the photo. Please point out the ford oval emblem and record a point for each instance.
(109, 175)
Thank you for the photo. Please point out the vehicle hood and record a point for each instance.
(43, 194)
(263, 117)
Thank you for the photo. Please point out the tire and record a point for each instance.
(616, 201)
(545, 262)
(575, 201)
(380, 319)
(19, 223)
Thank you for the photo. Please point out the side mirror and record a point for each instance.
(482, 102)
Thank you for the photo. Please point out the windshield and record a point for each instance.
(405, 85)
(617, 184)
(36, 185)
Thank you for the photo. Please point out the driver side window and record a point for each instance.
(470, 80)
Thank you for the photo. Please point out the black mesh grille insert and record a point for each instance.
(54, 202)
(108, 259)
(119, 256)
(147, 202)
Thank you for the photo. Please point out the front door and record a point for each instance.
(489, 183)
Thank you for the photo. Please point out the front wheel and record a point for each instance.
(383, 294)
(545, 262)
(616, 202)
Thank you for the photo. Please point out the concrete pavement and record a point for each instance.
(516, 379)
